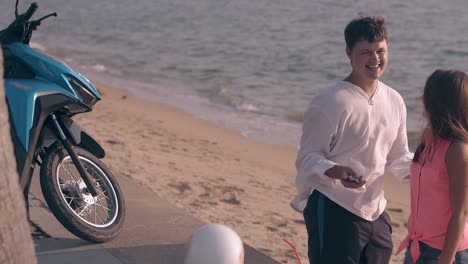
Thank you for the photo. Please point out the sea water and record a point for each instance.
(248, 65)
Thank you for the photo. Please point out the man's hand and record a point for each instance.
(348, 177)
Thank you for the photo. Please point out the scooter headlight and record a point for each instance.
(86, 97)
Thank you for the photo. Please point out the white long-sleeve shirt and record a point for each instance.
(344, 126)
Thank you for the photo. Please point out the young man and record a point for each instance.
(353, 132)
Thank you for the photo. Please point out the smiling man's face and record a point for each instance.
(368, 59)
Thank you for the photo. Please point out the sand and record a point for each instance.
(215, 174)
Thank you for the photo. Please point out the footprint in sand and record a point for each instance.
(229, 194)
(114, 142)
(230, 198)
(181, 187)
(278, 220)
(299, 221)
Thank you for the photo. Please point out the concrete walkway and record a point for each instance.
(154, 232)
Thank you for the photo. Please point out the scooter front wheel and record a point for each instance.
(95, 219)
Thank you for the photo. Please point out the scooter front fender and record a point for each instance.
(82, 138)
(74, 132)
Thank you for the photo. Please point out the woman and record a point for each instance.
(437, 228)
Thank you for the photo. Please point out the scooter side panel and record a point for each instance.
(21, 95)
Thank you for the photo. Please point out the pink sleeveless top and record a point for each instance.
(430, 201)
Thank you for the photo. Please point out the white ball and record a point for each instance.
(215, 244)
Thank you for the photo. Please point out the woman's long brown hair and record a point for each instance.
(446, 103)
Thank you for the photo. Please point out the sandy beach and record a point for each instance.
(215, 174)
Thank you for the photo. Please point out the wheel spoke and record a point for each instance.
(102, 206)
(72, 198)
(102, 193)
(86, 207)
(76, 210)
(96, 214)
(69, 173)
(106, 210)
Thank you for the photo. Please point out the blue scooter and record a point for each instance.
(43, 95)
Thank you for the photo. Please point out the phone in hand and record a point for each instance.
(352, 180)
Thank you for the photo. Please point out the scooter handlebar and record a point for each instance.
(32, 8)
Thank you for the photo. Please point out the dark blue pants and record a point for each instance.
(430, 255)
(337, 236)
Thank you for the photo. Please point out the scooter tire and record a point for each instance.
(61, 208)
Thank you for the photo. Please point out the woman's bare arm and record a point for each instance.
(457, 166)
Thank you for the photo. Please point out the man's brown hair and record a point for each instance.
(365, 28)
